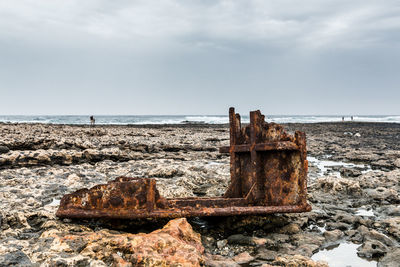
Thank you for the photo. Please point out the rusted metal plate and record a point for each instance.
(268, 170)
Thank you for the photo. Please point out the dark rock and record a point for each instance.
(350, 172)
(339, 225)
(241, 240)
(266, 254)
(4, 149)
(17, 258)
(279, 238)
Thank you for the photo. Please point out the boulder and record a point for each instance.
(176, 243)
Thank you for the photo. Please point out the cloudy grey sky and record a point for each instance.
(199, 57)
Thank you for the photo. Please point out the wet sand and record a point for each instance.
(353, 184)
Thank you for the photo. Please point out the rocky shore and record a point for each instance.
(353, 186)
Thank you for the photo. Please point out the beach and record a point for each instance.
(353, 188)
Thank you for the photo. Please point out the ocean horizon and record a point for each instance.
(185, 119)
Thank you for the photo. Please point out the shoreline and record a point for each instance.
(198, 125)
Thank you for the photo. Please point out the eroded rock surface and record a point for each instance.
(41, 163)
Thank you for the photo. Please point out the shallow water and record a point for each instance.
(342, 256)
(55, 202)
(325, 165)
(365, 213)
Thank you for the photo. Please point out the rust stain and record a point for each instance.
(268, 170)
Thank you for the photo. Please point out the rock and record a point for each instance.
(383, 194)
(168, 172)
(344, 217)
(290, 229)
(391, 259)
(372, 249)
(397, 163)
(240, 239)
(298, 260)
(350, 172)
(357, 135)
(306, 250)
(175, 243)
(279, 238)
(375, 235)
(17, 258)
(219, 261)
(4, 149)
(332, 236)
(208, 242)
(243, 258)
(337, 225)
(393, 211)
(260, 241)
(339, 185)
(266, 254)
(222, 243)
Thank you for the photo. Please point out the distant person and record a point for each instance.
(351, 117)
(92, 120)
(342, 118)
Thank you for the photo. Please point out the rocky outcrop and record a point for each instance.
(176, 243)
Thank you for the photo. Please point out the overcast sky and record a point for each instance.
(199, 57)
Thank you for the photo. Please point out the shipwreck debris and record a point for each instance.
(268, 170)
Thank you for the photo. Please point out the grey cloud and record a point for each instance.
(177, 57)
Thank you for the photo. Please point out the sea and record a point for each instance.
(185, 119)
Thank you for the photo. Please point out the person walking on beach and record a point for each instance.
(342, 118)
(92, 121)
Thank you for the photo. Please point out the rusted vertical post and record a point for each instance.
(151, 194)
(254, 173)
(300, 140)
(234, 189)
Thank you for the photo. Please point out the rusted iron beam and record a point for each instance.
(284, 145)
(268, 171)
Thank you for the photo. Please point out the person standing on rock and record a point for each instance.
(92, 121)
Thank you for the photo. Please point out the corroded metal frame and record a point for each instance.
(268, 170)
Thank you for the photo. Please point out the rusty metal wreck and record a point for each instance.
(268, 169)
